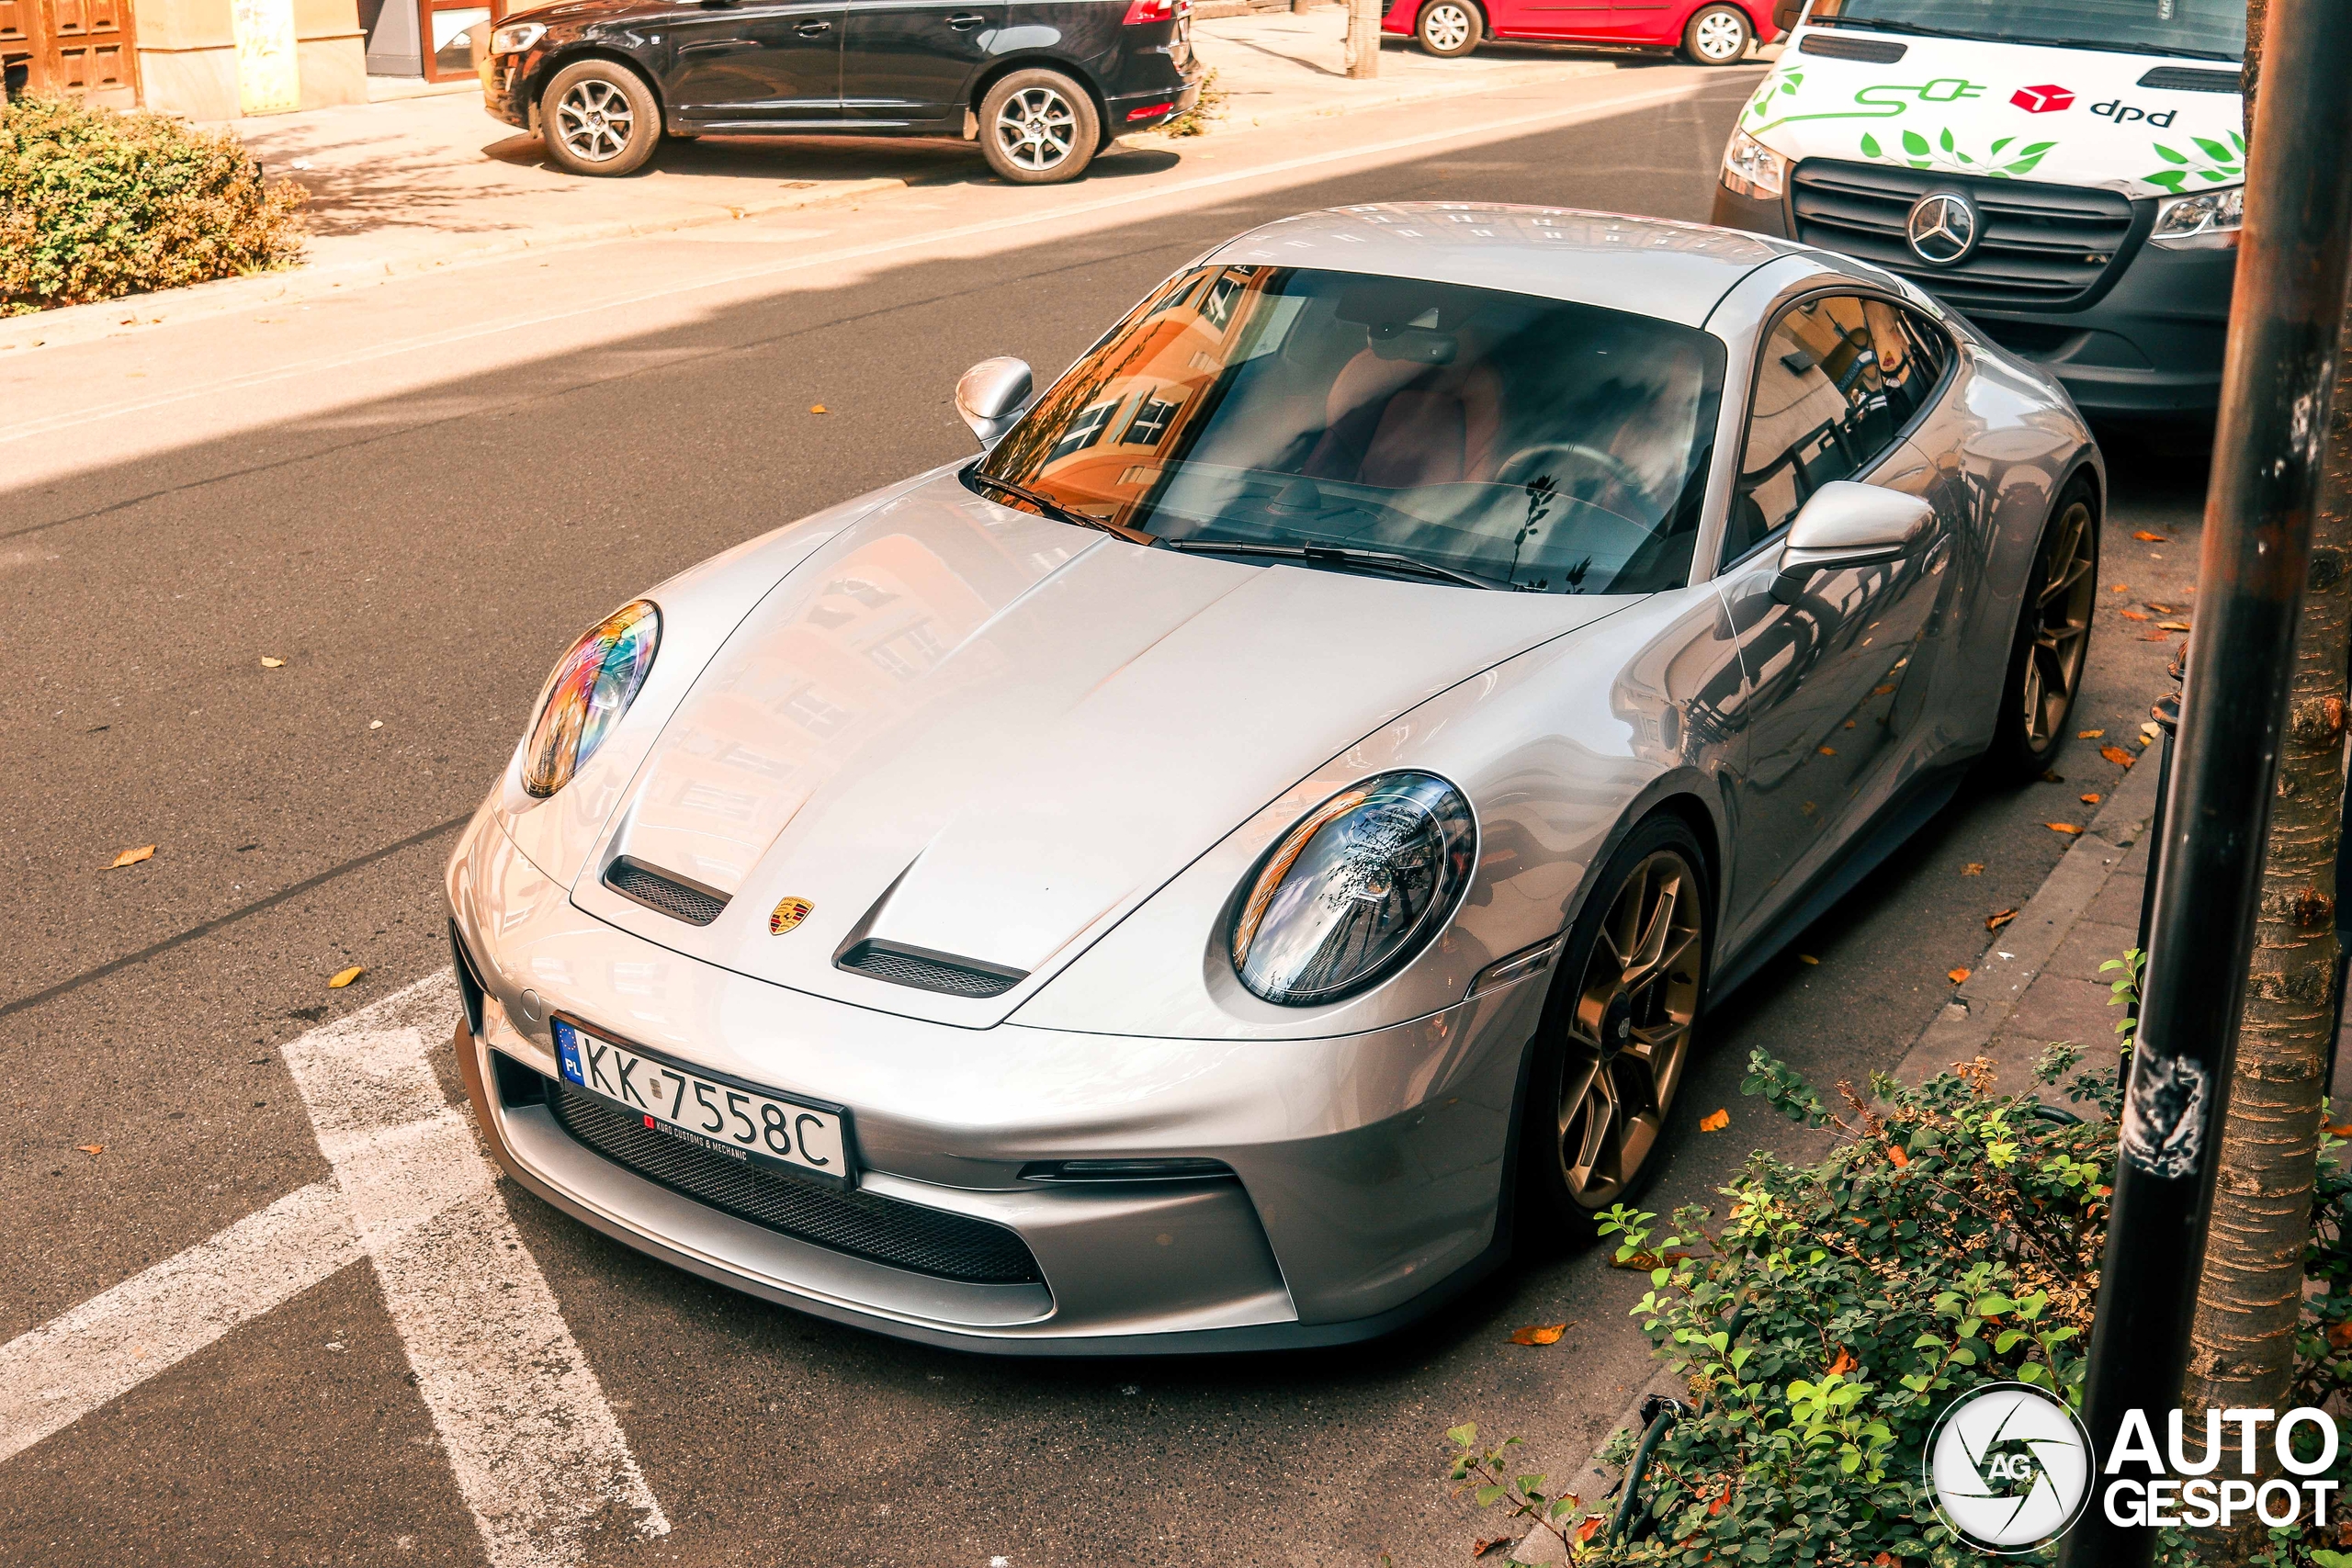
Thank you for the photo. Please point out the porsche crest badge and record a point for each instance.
(789, 912)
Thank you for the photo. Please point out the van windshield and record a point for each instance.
(2203, 30)
(1531, 444)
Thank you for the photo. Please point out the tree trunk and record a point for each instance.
(2242, 1345)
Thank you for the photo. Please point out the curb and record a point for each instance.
(1966, 1026)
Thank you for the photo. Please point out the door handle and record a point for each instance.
(965, 21)
(814, 29)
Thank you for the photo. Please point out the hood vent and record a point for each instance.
(1871, 50)
(902, 966)
(2187, 79)
(659, 890)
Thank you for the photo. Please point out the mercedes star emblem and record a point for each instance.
(1942, 229)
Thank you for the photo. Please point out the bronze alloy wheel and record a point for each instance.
(2060, 622)
(1629, 1029)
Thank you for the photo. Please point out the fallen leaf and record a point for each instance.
(2092, 800)
(1881, 691)
(268, 663)
(2051, 775)
(2147, 538)
(2159, 609)
(1973, 868)
(1715, 1121)
(1900, 1155)
(133, 857)
(374, 724)
(1586, 1531)
(1539, 1334)
(2340, 1336)
(1849, 724)
(1998, 918)
(1844, 1364)
(1807, 958)
(2118, 755)
(2172, 626)
(2133, 615)
(1883, 1559)
(1828, 751)
(2063, 827)
(2343, 1132)
(344, 977)
(93, 1150)
(819, 407)
(1480, 1549)
(2119, 587)
(2088, 734)
(2154, 637)
(1956, 976)
(1643, 1262)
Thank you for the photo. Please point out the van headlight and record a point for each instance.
(1751, 168)
(2211, 219)
(1357, 886)
(592, 685)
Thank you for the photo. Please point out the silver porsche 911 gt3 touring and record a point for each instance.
(1202, 874)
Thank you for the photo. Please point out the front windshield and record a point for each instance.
(2211, 29)
(1533, 444)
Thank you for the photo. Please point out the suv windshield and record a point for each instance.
(2207, 29)
(1533, 444)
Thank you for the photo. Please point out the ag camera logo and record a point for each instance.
(2009, 1467)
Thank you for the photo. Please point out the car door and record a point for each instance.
(757, 62)
(1647, 21)
(1838, 666)
(1557, 18)
(907, 61)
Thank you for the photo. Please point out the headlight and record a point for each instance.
(1356, 889)
(516, 38)
(1751, 168)
(2209, 218)
(592, 685)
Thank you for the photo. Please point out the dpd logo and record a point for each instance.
(2009, 1467)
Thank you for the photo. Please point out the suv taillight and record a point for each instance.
(1142, 11)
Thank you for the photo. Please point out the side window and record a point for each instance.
(1821, 412)
(1910, 356)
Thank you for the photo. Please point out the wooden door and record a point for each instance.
(21, 38)
(90, 51)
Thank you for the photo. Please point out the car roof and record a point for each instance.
(1654, 267)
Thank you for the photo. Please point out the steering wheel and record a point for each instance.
(1529, 462)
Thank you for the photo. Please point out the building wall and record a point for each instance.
(187, 55)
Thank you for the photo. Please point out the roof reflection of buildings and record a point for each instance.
(1119, 427)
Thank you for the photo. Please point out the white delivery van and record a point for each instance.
(2068, 173)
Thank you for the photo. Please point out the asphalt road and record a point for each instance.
(417, 554)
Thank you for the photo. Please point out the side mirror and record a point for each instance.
(991, 395)
(1846, 524)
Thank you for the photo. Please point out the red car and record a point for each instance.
(1708, 32)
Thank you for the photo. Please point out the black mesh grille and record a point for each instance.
(2188, 79)
(2043, 246)
(905, 1235)
(655, 891)
(902, 967)
(1877, 50)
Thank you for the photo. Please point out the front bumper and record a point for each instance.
(506, 87)
(2151, 344)
(1368, 1168)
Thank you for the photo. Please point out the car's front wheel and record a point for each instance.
(1039, 128)
(1449, 28)
(1717, 35)
(1617, 1031)
(2053, 636)
(599, 118)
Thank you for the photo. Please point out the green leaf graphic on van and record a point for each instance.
(1871, 149)
(1946, 152)
(2222, 163)
(1916, 145)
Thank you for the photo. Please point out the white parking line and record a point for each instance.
(535, 1449)
(54, 1375)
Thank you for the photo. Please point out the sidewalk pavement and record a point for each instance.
(414, 182)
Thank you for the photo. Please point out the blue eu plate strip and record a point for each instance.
(567, 1050)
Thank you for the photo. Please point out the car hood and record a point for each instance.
(977, 733)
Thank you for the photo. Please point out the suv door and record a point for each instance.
(907, 61)
(757, 62)
(1836, 677)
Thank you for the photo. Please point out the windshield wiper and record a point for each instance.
(1060, 513)
(1336, 555)
(1866, 24)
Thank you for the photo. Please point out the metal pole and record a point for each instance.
(2166, 712)
(2275, 394)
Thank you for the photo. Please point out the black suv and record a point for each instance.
(1042, 84)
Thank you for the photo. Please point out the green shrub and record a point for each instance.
(94, 204)
(1950, 1238)
(1195, 121)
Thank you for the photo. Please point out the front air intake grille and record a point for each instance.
(1873, 50)
(904, 1235)
(928, 971)
(656, 890)
(2043, 247)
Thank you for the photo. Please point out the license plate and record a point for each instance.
(755, 1125)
